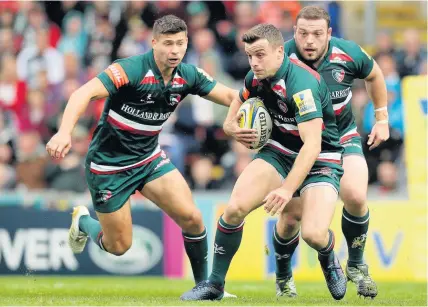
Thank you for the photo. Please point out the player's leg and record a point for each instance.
(285, 238)
(112, 232)
(255, 182)
(355, 217)
(319, 196)
(170, 192)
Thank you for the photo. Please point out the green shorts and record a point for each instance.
(110, 192)
(351, 141)
(322, 173)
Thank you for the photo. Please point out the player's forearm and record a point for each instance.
(302, 165)
(376, 89)
(233, 110)
(76, 105)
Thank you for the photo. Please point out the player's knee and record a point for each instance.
(355, 201)
(314, 237)
(120, 246)
(235, 213)
(287, 225)
(191, 222)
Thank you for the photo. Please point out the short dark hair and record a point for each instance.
(312, 12)
(264, 31)
(169, 24)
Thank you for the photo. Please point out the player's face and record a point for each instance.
(170, 49)
(264, 58)
(312, 37)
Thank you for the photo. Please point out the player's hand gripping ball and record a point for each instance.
(254, 115)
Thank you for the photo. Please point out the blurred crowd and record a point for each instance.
(49, 49)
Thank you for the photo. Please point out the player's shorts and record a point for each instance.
(322, 173)
(351, 142)
(110, 192)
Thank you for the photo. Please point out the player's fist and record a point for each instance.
(242, 135)
(59, 145)
(276, 200)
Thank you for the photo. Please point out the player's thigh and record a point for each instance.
(171, 193)
(318, 202)
(117, 225)
(353, 185)
(252, 186)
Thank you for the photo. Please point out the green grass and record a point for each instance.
(59, 290)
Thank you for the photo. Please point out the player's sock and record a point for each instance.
(355, 230)
(284, 249)
(326, 254)
(197, 250)
(92, 228)
(227, 241)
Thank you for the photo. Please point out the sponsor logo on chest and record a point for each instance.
(340, 94)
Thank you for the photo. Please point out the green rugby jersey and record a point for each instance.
(138, 105)
(344, 62)
(294, 95)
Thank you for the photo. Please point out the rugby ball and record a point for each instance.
(254, 115)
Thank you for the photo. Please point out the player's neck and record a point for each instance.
(165, 71)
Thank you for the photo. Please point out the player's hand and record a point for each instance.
(276, 201)
(59, 145)
(379, 134)
(242, 135)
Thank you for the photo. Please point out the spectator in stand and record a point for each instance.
(7, 155)
(31, 161)
(74, 39)
(137, 39)
(411, 57)
(384, 44)
(13, 92)
(198, 16)
(37, 20)
(7, 46)
(33, 59)
(203, 42)
(382, 161)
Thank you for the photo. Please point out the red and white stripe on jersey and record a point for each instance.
(255, 81)
(178, 81)
(117, 75)
(109, 169)
(339, 107)
(295, 60)
(287, 128)
(337, 53)
(349, 135)
(149, 78)
(128, 125)
(332, 157)
(279, 88)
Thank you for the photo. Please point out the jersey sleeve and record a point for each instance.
(119, 74)
(307, 99)
(362, 60)
(245, 91)
(203, 82)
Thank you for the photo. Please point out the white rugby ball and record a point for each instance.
(256, 116)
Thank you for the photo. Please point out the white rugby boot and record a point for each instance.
(77, 239)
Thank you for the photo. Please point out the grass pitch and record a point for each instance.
(119, 291)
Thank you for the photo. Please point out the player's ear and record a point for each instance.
(280, 51)
(294, 29)
(329, 31)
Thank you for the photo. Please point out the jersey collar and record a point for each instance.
(282, 69)
(154, 67)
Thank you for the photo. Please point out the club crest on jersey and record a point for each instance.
(282, 106)
(338, 74)
(174, 99)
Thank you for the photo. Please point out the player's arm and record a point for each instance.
(376, 89)
(231, 123)
(60, 143)
(311, 135)
(222, 94)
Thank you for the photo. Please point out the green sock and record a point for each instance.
(227, 241)
(197, 250)
(326, 254)
(355, 230)
(284, 249)
(92, 228)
